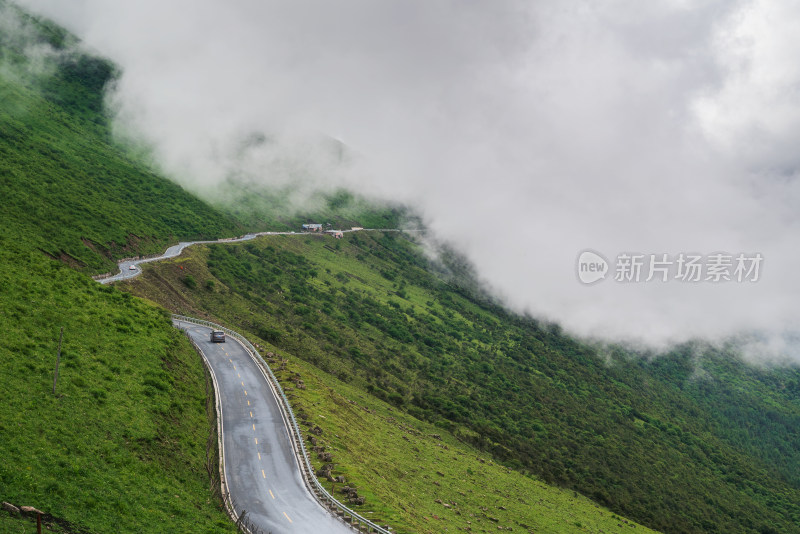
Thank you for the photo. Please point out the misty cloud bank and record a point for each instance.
(33, 60)
(523, 133)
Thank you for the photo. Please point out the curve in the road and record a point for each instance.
(130, 268)
(260, 468)
(296, 510)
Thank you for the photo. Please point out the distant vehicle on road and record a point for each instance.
(132, 267)
(218, 336)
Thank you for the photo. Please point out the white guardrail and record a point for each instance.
(322, 495)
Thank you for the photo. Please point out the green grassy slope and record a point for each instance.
(652, 440)
(121, 446)
(423, 478)
(415, 476)
(65, 185)
(123, 443)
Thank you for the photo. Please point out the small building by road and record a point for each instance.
(335, 233)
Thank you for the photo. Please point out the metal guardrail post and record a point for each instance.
(287, 409)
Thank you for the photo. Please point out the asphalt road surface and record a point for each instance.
(260, 466)
(131, 268)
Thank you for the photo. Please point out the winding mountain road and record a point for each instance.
(130, 268)
(261, 471)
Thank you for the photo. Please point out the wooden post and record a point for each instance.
(58, 359)
(39, 523)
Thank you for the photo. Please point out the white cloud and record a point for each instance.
(524, 133)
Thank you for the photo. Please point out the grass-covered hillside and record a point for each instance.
(416, 476)
(692, 442)
(688, 442)
(66, 186)
(121, 445)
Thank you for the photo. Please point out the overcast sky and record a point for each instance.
(525, 132)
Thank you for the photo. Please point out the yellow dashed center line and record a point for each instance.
(256, 441)
(251, 413)
(263, 474)
(254, 426)
(245, 391)
(289, 518)
(248, 403)
(242, 383)
(234, 365)
(259, 455)
(271, 495)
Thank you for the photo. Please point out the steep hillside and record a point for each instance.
(121, 444)
(65, 185)
(416, 476)
(693, 441)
